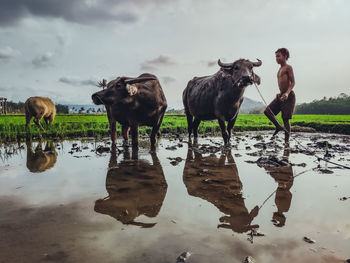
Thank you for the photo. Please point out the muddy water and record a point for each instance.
(76, 201)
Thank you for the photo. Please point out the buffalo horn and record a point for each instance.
(257, 64)
(132, 81)
(224, 65)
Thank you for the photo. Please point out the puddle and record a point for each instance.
(83, 201)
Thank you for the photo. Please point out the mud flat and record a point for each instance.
(85, 201)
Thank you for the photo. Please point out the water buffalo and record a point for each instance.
(218, 96)
(39, 107)
(133, 102)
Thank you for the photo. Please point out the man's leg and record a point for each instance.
(287, 131)
(269, 114)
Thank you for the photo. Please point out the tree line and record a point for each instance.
(334, 106)
(18, 107)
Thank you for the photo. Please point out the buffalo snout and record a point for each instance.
(96, 99)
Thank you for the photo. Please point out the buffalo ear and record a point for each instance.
(131, 89)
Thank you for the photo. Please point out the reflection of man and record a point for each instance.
(135, 188)
(41, 160)
(216, 181)
(284, 177)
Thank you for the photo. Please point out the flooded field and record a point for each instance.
(85, 201)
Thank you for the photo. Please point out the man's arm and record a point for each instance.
(291, 83)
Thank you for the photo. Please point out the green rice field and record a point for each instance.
(12, 127)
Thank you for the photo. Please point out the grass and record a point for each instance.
(12, 127)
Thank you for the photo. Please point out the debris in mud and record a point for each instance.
(255, 154)
(238, 155)
(260, 145)
(183, 257)
(175, 161)
(248, 148)
(171, 148)
(344, 198)
(269, 161)
(323, 144)
(59, 256)
(324, 170)
(254, 233)
(309, 240)
(249, 259)
(83, 156)
(101, 149)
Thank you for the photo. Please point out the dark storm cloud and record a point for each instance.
(78, 82)
(156, 63)
(43, 61)
(79, 11)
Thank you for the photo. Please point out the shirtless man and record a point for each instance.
(285, 100)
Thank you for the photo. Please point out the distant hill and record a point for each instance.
(332, 106)
(248, 106)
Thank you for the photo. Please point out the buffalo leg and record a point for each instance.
(113, 131)
(189, 124)
(134, 133)
(28, 117)
(125, 133)
(223, 130)
(230, 125)
(195, 127)
(37, 122)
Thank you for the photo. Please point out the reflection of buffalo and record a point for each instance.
(211, 179)
(135, 188)
(40, 160)
(283, 175)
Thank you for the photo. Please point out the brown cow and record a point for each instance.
(39, 107)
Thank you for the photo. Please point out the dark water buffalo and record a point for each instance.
(219, 183)
(39, 107)
(218, 96)
(133, 102)
(135, 187)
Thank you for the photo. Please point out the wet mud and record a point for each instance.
(256, 200)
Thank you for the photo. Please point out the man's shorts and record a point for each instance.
(286, 107)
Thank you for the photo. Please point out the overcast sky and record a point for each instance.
(61, 48)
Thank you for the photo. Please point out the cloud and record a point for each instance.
(168, 79)
(8, 53)
(43, 61)
(211, 63)
(154, 64)
(78, 11)
(78, 82)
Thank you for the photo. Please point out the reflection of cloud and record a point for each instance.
(8, 53)
(78, 82)
(154, 64)
(78, 11)
(43, 61)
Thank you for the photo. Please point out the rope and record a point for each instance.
(318, 157)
